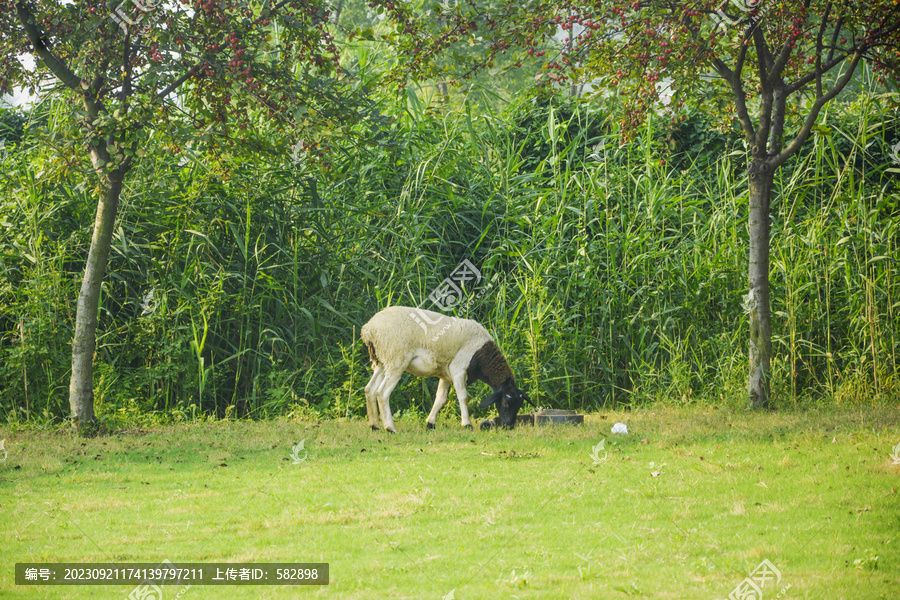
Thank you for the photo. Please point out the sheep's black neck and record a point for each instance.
(489, 365)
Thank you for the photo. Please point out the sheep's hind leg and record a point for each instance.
(372, 398)
(383, 393)
(443, 392)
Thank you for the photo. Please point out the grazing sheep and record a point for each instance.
(457, 351)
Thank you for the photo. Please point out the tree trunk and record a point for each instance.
(757, 304)
(81, 385)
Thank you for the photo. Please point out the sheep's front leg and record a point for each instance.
(372, 397)
(459, 384)
(443, 392)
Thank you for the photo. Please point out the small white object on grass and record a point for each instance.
(620, 428)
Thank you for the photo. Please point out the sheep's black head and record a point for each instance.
(509, 400)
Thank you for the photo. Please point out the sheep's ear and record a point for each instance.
(528, 399)
(491, 399)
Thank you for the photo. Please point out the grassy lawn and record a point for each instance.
(684, 506)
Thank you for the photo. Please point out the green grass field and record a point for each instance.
(685, 506)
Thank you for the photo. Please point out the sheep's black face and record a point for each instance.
(508, 407)
(509, 400)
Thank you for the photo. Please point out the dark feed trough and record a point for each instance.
(551, 416)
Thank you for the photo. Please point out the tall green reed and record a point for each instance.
(613, 274)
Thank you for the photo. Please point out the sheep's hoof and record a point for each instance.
(487, 424)
(374, 427)
(468, 426)
(429, 425)
(391, 431)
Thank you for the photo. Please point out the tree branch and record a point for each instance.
(857, 49)
(177, 83)
(821, 100)
(126, 65)
(35, 36)
(819, 37)
(89, 95)
(834, 37)
(785, 53)
(758, 143)
(762, 51)
(733, 77)
(801, 82)
(779, 104)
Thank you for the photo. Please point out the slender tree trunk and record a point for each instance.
(757, 304)
(81, 385)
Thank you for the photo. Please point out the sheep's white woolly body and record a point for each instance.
(427, 344)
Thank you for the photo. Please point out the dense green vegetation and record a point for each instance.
(614, 274)
(685, 506)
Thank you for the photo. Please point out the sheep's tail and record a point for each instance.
(366, 334)
(372, 356)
